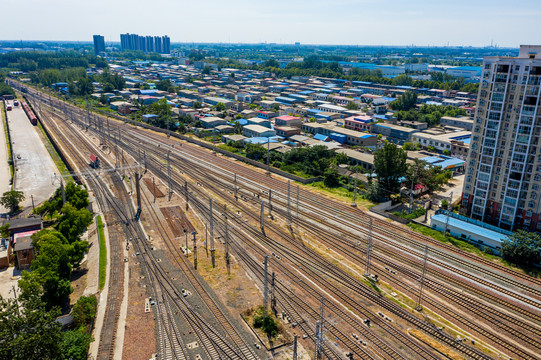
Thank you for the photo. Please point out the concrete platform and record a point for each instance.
(34, 168)
(4, 173)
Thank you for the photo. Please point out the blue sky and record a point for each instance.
(357, 22)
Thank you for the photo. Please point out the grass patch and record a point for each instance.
(103, 254)
(60, 165)
(410, 216)
(8, 143)
(230, 149)
(341, 193)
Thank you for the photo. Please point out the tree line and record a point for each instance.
(28, 326)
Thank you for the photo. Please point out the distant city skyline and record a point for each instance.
(341, 22)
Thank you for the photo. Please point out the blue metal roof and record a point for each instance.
(450, 163)
(431, 159)
(472, 228)
(366, 136)
(321, 137)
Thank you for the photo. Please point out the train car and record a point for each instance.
(31, 116)
(94, 161)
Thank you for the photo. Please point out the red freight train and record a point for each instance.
(29, 113)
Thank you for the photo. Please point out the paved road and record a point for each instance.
(4, 173)
(34, 168)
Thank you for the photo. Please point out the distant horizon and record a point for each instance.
(425, 23)
(410, 46)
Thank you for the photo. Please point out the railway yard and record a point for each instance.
(206, 237)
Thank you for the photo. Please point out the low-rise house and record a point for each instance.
(359, 123)
(440, 140)
(259, 121)
(353, 138)
(287, 120)
(287, 131)
(399, 134)
(257, 131)
(210, 122)
(460, 122)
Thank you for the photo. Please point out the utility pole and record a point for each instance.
(448, 214)
(169, 178)
(295, 348)
(419, 307)
(138, 192)
(145, 160)
(411, 192)
(186, 192)
(266, 285)
(320, 325)
(262, 218)
(272, 294)
(167, 109)
(194, 251)
(212, 249)
(289, 203)
(235, 186)
(33, 207)
(354, 204)
(298, 201)
(268, 156)
(206, 240)
(154, 188)
(368, 249)
(87, 111)
(63, 191)
(270, 202)
(227, 260)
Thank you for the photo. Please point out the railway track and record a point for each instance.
(438, 243)
(166, 327)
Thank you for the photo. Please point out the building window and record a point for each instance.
(529, 213)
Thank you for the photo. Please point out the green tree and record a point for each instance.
(255, 151)
(220, 107)
(523, 248)
(163, 85)
(352, 106)
(84, 86)
(27, 330)
(84, 311)
(75, 345)
(408, 146)
(72, 223)
(206, 70)
(331, 178)
(276, 107)
(390, 166)
(11, 200)
(405, 101)
(4, 231)
(108, 88)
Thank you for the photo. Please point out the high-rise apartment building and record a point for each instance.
(159, 44)
(99, 44)
(503, 169)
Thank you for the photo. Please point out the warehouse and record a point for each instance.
(476, 232)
